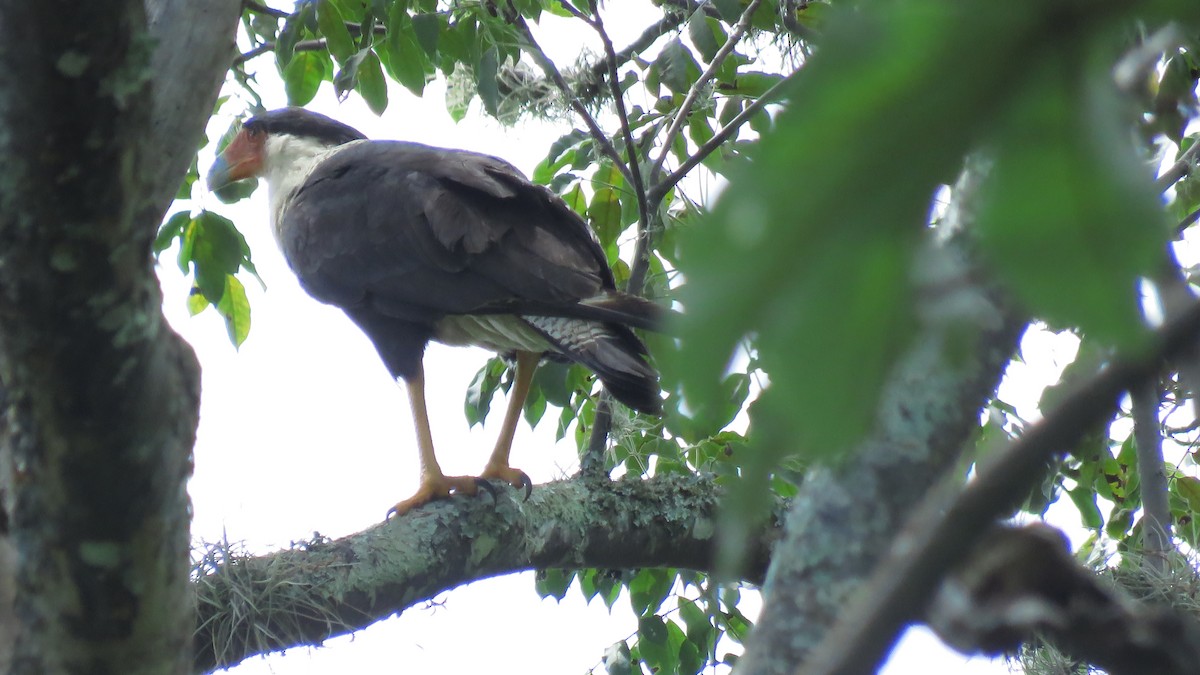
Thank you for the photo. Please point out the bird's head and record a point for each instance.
(281, 136)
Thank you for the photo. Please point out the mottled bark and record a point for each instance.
(100, 398)
(840, 524)
(254, 605)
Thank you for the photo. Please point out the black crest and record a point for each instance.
(306, 124)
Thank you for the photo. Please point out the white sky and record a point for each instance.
(302, 430)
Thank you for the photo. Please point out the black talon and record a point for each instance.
(486, 485)
(527, 484)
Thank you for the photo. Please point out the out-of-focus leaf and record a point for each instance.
(406, 60)
(171, 230)
(824, 281)
(485, 79)
(1069, 219)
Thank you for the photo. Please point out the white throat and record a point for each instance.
(288, 162)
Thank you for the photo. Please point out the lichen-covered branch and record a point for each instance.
(253, 605)
(929, 409)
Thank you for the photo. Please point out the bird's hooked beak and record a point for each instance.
(242, 159)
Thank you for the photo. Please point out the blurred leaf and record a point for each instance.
(171, 230)
(406, 59)
(1069, 219)
(485, 78)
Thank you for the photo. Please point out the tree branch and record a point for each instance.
(598, 136)
(936, 537)
(1156, 511)
(249, 606)
(659, 190)
(685, 108)
(928, 410)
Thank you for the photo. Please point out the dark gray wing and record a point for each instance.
(416, 233)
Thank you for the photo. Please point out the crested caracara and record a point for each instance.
(417, 243)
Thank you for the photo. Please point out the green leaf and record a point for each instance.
(303, 76)
(333, 27)
(648, 588)
(215, 253)
(234, 307)
(1069, 219)
(677, 68)
(604, 214)
(171, 230)
(371, 84)
(706, 34)
(730, 10)
(406, 60)
(553, 583)
(290, 34)
(653, 644)
(1085, 500)
(427, 27)
(482, 389)
(485, 80)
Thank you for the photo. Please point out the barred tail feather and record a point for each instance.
(610, 350)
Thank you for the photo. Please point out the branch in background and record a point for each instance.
(249, 606)
(1181, 168)
(1156, 511)
(302, 46)
(1022, 584)
(260, 8)
(539, 55)
(660, 188)
(938, 533)
(685, 108)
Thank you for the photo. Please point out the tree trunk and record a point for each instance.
(98, 397)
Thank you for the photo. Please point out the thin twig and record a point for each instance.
(660, 189)
(685, 108)
(303, 46)
(539, 55)
(641, 257)
(938, 535)
(260, 8)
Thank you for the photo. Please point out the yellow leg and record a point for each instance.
(434, 484)
(497, 466)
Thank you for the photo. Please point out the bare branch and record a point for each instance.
(260, 8)
(1156, 511)
(1181, 168)
(305, 596)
